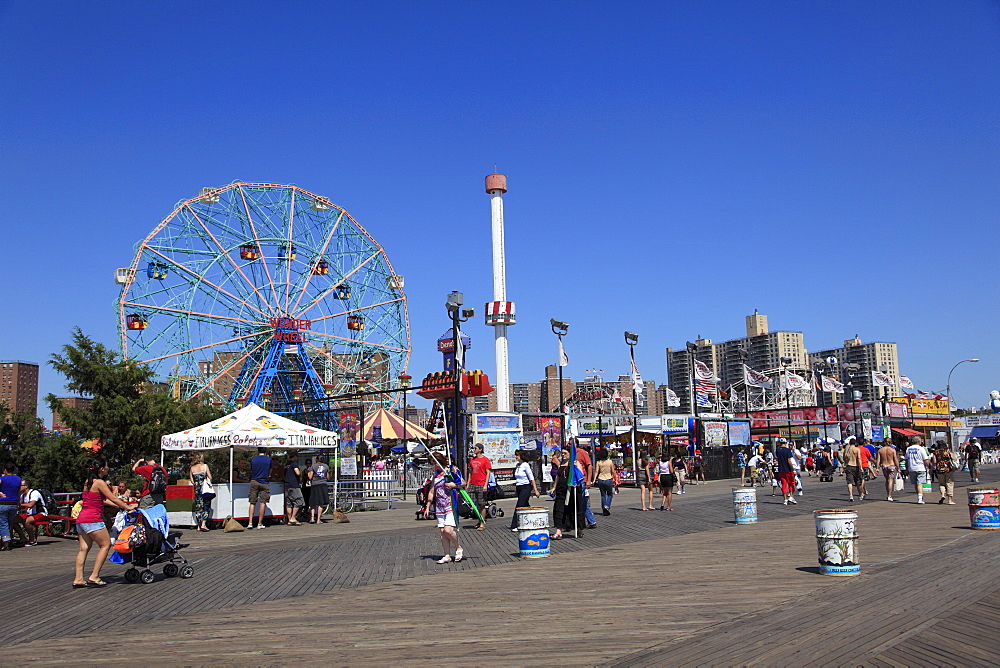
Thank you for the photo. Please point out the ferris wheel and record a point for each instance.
(263, 293)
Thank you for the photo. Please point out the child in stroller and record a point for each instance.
(158, 545)
(824, 466)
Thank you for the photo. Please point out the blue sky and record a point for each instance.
(672, 166)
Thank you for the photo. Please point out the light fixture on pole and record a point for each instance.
(948, 392)
(405, 382)
(631, 338)
(559, 328)
(785, 363)
(744, 356)
(852, 369)
(458, 315)
(692, 348)
(821, 369)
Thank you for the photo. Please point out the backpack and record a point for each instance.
(157, 480)
(49, 504)
(944, 465)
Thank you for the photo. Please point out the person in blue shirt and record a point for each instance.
(260, 487)
(10, 496)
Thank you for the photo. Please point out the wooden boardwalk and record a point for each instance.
(687, 587)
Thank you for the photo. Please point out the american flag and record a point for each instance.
(704, 387)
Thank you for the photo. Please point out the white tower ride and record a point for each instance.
(499, 312)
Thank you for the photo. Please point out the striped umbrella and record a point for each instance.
(392, 426)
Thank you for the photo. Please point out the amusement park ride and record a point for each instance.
(263, 293)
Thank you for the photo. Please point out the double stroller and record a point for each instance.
(156, 544)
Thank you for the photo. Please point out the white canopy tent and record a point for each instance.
(248, 428)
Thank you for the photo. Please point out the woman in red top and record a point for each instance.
(90, 523)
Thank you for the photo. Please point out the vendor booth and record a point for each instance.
(249, 428)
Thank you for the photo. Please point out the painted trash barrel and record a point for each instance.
(984, 508)
(837, 542)
(533, 532)
(745, 505)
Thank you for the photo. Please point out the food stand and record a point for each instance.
(248, 428)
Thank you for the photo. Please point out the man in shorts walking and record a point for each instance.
(888, 461)
(293, 490)
(917, 462)
(786, 470)
(851, 457)
(260, 487)
(479, 477)
(972, 455)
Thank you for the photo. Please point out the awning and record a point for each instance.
(907, 432)
(985, 431)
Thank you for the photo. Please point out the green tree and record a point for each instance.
(129, 411)
(21, 435)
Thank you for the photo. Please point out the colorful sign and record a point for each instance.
(498, 422)
(716, 434)
(739, 433)
(898, 409)
(673, 425)
(927, 406)
(500, 448)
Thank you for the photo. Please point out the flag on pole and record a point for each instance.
(563, 357)
(702, 400)
(756, 379)
(704, 387)
(832, 385)
(904, 381)
(793, 381)
(880, 379)
(672, 398)
(702, 372)
(921, 394)
(459, 350)
(637, 383)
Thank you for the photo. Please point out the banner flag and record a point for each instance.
(793, 381)
(563, 357)
(904, 381)
(756, 379)
(880, 379)
(672, 398)
(832, 385)
(702, 372)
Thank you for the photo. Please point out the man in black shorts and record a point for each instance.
(972, 454)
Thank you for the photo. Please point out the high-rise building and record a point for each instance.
(67, 402)
(869, 358)
(762, 348)
(550, 389)
(19, 385)
(524, 398)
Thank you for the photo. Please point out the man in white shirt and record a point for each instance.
(917, 462)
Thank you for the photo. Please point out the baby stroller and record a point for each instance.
(156, 548)
(824, 466)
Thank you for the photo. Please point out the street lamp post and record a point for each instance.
(631, 339)
(559, 328)
(405, 382)
(821, 369)
(745, 358)
(458, 315)
(785, 363)
(692, 348)
(948, 392)
(852, 369)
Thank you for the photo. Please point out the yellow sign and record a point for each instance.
(930, 423)
(927, 406)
